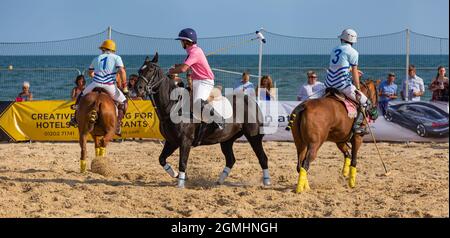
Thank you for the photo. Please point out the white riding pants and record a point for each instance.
(350, 92)
(201, 89)
(112, 90)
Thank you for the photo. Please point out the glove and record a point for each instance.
(126, 92)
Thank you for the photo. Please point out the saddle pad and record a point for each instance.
(223, 107)
(351, 108)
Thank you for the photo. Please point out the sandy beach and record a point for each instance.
(43, 180)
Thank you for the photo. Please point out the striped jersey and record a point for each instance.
(341, 60)
(105, 67)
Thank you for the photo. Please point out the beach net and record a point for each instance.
(51, 67)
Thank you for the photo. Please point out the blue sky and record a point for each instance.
(30, 20)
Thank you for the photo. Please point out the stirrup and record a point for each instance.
(360, 130)
(220, 125)
(119, 131)
(73, 122)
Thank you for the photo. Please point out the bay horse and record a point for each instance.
(326, 119)
(154, 83)
(96, 116)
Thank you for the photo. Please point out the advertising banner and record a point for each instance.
(49, 121)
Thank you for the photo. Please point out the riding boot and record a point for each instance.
(218, 120)
(218, 123)
(199, 135)
(359, 127)
(122, 108)
(73, 120)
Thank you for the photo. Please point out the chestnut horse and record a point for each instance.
(97, 116)
(326, 119)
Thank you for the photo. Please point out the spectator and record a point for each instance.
(415, 88)
(439, 85)
(131, 87)
(267, 91)
(26, 94)
(312, 89)
(245, 86)
(80, 83)
(387, 92)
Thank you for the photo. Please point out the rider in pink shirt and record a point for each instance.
(196, 59)
(202, 76)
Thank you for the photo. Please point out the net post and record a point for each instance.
(408, 39)
(260, 52)
(109, 31)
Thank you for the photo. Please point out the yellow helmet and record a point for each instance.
(108, 45)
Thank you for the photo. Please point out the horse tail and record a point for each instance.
(294, 114)
(93, 114)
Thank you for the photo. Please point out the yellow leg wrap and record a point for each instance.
(102, 151)
(83, 165)
(97, 151)
(346, 169)
(303, 183)
(352, 178)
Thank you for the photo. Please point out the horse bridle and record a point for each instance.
(150, 85)
(369, 96)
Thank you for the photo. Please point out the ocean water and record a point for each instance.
(52, 77)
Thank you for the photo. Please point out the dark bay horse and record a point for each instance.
(326, 119)
(154, 83)
(96, 116)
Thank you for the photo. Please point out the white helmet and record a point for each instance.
(349, 35)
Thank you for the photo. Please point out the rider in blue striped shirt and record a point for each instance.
(343, 74)
(103, 70)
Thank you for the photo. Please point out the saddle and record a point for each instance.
(350, 105)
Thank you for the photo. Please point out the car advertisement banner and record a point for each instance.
(384, 130)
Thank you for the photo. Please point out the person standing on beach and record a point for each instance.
(312, 89)
(80, 83)
(387, 91)
(415, 86)
(343, 75)
(245, 86)
(439, 85)
(26, 94)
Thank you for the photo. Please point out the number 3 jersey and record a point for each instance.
(338, 73)
(105, 67)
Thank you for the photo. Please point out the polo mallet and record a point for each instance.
(376, 146)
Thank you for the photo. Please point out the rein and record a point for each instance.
(151, 87)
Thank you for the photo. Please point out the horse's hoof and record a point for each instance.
(346, 168)
(352, 178)
(303, 184)
(180, 184)
(83, 166)
(267, 182)
(220, 182)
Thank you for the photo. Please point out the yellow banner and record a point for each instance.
(49, 121)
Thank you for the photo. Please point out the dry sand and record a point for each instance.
(43, 180)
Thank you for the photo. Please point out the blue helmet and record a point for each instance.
(187, 34)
